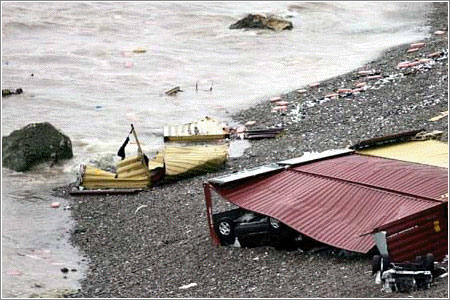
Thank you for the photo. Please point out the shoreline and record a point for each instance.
(167, 244)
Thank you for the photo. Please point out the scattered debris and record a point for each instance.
(275, 99)
(281, 103)
(367, 72)
(262, 133)
(412, 50)
(417, 45)
(188, 286)
(8, 92)
(139, 208)
(360, 84)
(173, 91)
(55, 205)
(439, 32)
(302, 91)
(262, 22)
(440, 116)
(314, 85)
(250, 123)
(139, 50)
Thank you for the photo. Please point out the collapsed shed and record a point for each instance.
(338, 197)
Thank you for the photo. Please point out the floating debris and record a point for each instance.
(174, 91)
(139, 50)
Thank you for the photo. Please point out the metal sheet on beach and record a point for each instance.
(430, 152)
(202, 130)
(336, 201)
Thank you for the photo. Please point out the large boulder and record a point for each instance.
(34, 144)
(262, 22)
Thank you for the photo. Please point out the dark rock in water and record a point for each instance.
(262, 22)
(64, 270)
(34, 144)
(8, 92)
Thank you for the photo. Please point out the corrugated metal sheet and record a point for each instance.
(324, 200)
(418, 234)
(399, 176)
(202, 130)
(430, 152)
(185, 161)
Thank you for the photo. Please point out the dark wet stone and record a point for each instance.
(35, 143)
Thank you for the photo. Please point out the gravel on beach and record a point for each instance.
(164, 250)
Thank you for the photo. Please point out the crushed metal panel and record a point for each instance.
(241, 175)
(430, 152)
(331, 211)
(418, 234)
(184, 161)
(418, 180)
(131, 174)
(314, 156)
(202, 130)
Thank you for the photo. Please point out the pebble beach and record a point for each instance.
(164, 250)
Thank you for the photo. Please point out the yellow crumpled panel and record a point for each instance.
(429, 152)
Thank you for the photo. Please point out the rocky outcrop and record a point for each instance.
(262, 22)
(8, 92)
(34, 144)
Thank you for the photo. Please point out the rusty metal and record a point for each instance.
(418, 234)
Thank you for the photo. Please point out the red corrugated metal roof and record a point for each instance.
(329, 208)
(399, 176)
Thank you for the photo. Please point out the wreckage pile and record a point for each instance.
(164, 249)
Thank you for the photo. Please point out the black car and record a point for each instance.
(243, 228)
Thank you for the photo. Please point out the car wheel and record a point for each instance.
(225, 229)
(385, 263)
(429, 262)
(376, 264)
(274, 223)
